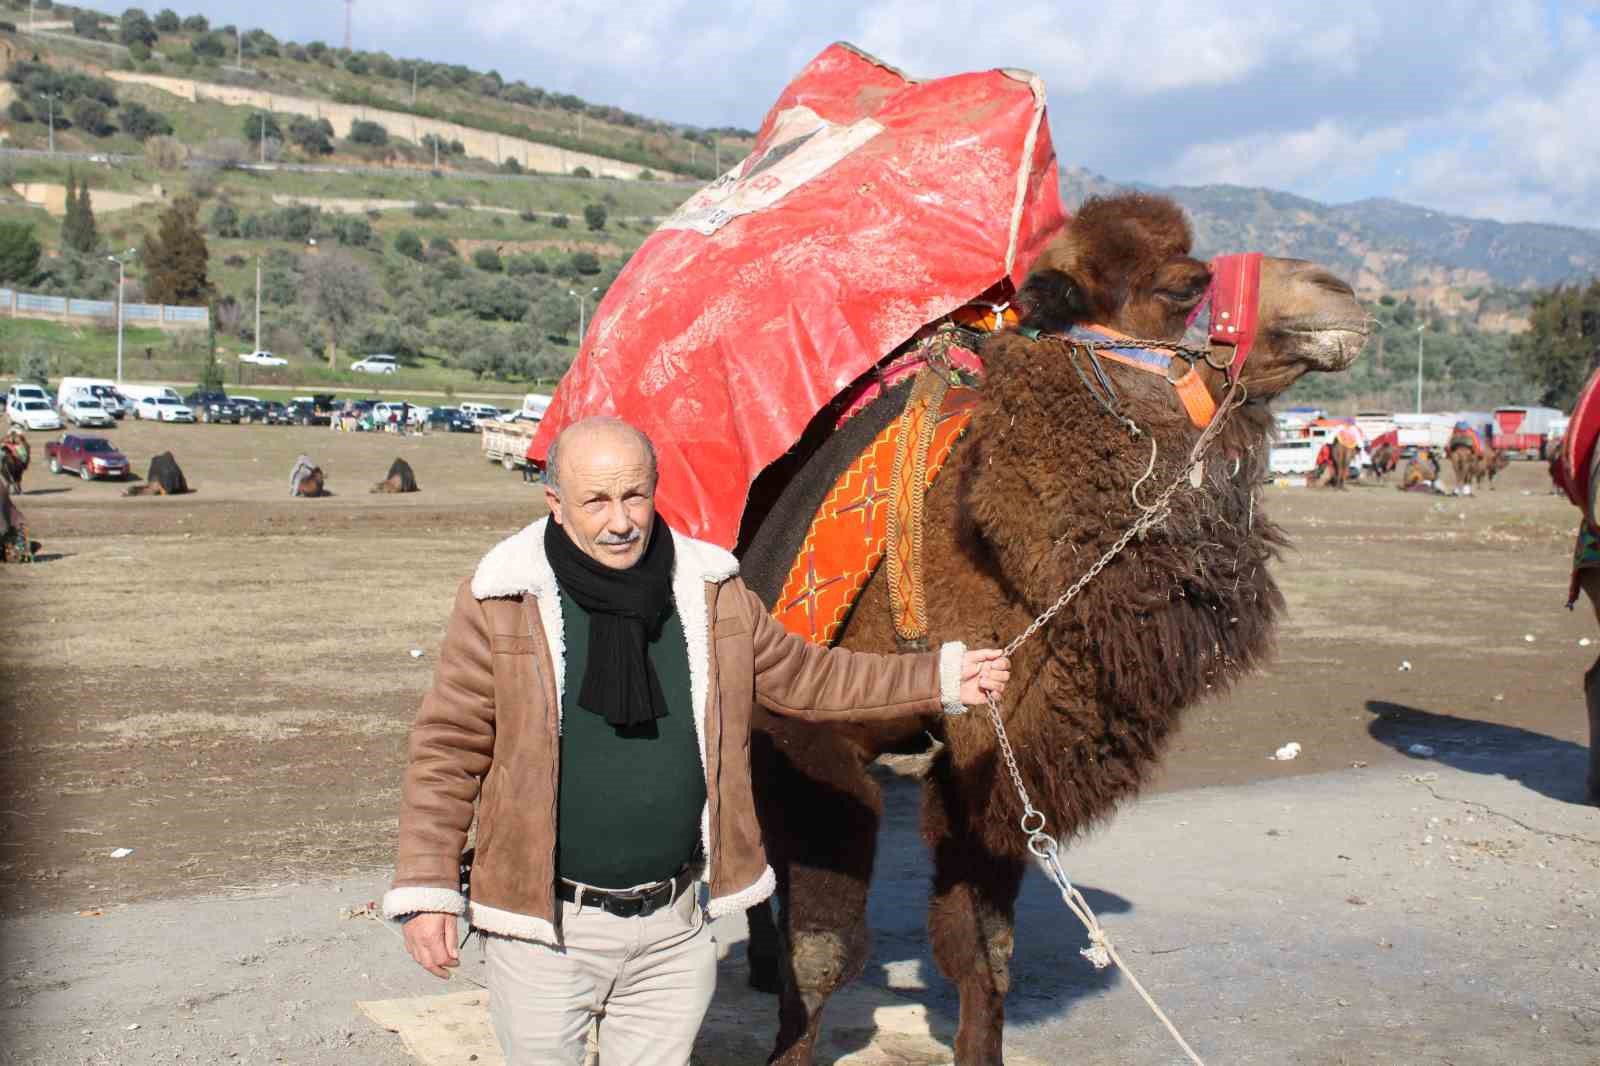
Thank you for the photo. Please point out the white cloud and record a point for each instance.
(1318, 157)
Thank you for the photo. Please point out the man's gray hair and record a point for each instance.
(552, 458)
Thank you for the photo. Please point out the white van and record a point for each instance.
(105, 390)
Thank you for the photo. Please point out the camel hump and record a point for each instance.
(401, 477)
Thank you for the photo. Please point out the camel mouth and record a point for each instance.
(1328, 346)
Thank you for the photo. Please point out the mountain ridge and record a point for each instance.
(1379, 244)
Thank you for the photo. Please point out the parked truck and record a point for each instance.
(507, 443)
(1526, 431)
(88, 457)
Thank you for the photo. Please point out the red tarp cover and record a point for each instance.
(871, 204)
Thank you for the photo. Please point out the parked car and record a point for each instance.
(82, 409)
(263, 359)
(88, 457)
(163, 409)
(479, 412)
(314, 410)
(450, 420)
(274, 413)
(32, 413)
(376, 364)
(25, 391)
(213, 406)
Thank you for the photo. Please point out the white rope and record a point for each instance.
(1101, 952)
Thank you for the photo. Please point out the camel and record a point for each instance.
(1385, 457)
(14, 455)
(1038, 489)
(1340, 456)
(399, 479)
(15, 547)
(307, 479)
(165, 478)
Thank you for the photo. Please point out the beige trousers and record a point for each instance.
(647, 980)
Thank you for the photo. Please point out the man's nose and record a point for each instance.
(617, 520)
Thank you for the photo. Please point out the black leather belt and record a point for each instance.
(630, 903)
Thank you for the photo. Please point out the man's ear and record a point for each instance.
(553, 501)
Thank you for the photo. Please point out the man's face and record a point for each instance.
(606, 496)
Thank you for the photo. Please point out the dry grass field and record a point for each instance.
(223, 682)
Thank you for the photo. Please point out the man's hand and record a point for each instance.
(431, 940)
(983, 671)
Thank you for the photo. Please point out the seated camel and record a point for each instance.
(400, 478)
(165, 478)
(307, 479)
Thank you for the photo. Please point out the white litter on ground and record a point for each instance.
(416, 653)
(122, 853)
(1422, 751)
(1287, 752)
(1405, 664)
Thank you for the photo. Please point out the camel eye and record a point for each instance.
(1182, 294)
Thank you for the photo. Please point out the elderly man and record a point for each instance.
(593, 696)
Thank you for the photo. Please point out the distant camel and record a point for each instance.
(164, 479)
(1385, 457)
(14, 460)
(307, 479)
(400, 479)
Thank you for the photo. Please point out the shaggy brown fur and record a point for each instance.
(312, 484)
(1340, 456)
(400, 478)
(165, 478)
(1466, 464)
(1038, 490)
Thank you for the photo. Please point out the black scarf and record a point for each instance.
(626, 609)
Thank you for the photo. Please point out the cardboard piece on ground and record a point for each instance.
(866, 1026)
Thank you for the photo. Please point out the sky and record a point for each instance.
(1485, 108)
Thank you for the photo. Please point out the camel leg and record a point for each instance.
(1591, 693)
(970, 918)
(820, 810)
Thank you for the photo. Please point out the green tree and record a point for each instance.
(212, 375)
(585, 263)
(364, 132)
(210, 45)
(79, 233)
(408, 244)
(92, 117)
(338, 291)
(195, 24)
(1561, 345)
(440, 247)
(594, 215)
(225, 220)
(259, 124)
(135, 27)
(175, 257)
(19, 253)
(312, 136)
(142, 123)
(167, 21)
(487, 259)
(555, 313)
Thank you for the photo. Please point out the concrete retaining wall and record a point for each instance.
(479, 143)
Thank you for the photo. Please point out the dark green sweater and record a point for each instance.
(630, 804)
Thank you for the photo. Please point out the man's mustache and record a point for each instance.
(612, 539)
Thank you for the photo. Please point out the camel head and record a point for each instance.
(1123, 262)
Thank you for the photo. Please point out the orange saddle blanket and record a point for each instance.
(849, 535)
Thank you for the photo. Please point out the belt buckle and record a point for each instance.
(626, 906)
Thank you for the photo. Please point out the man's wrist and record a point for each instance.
(951, 655)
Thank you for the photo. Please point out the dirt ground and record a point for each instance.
(222, 682)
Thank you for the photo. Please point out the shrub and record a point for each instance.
(135, 28)
(427, 209)
(92, 117)
(17, 111)
(195, 24)
(487, 259)
(165, 153)
(295, 52)
(352, 230)
(594, 216)
(584, 262)
(511, 166)
(441, 248)
(142, 123)
(167, 21)
(522, 265)
(209, 46)
(314, 136)
(224, 220)
(138, 51)
(528, 214)
(582, 172)
(259, 124)
(408, 244)
(560, 222)
(364, 132)
(647, 175)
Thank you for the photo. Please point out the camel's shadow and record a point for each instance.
(1547, 765)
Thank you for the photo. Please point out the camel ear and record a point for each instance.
(1051, 301)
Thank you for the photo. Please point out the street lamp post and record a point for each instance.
(580, 300)
(122, 271)
(1419, 367)
(51, 97)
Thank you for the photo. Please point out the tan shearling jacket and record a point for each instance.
(488, 732)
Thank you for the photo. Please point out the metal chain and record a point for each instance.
(1101, 952)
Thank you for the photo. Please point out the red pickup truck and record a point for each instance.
(88, 457)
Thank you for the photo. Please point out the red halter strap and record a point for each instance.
(1236, 305)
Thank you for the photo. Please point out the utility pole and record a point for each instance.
(52, 98)
(580, 300)
(238, 33)
(261, 135)
(348, 4)
(413, 83)
(122, 271)
(716, 158)
(1419, 367)
(258, 301)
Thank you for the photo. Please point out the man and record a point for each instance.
(597, 680)
(1575, 469)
